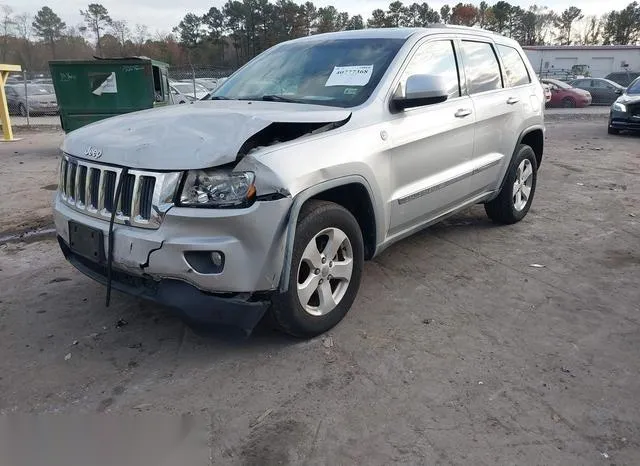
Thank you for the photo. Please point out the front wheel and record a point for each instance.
(614, 131)
(568, 102)
(327, 262)
(22, 110)
(516, 195)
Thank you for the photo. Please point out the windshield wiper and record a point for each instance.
(219, 97)
(279, 98)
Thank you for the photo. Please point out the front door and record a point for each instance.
(601, 92)
(430, 145)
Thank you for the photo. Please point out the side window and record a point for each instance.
(481, 66)
(435, 59)
(514, 66)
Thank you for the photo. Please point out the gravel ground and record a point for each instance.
(457, 350)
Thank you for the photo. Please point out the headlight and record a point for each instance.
(218, 188)
(619, 107)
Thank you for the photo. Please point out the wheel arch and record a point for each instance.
(534, 138)
(351, 192)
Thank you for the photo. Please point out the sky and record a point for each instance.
(163, 15)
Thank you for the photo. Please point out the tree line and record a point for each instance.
(233, 34)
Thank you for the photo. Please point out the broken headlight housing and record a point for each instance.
(218, 189)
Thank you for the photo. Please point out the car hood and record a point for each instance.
(180, 137)
(629, 99)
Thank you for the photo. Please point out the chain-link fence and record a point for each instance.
(30, 94)
(32, 100)
(195, 82)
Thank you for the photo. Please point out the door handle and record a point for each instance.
(463, 112)
(513, 100)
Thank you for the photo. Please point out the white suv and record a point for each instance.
(313, 157)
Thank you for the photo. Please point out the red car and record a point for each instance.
(566, 96)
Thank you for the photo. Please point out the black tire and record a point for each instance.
(22, 111)
(502, 209)
(568, 102)
(614, 131)
(287, 312)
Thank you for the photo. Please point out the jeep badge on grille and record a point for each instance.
(93, 152)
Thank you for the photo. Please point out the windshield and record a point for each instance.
(341, 72)
(187, 88)
(634, 87)
(557, 83)
(612, 83)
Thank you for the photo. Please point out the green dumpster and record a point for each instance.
(92, 90)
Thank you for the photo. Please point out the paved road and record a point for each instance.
(457, 350)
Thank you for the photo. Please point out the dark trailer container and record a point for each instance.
(92, 90)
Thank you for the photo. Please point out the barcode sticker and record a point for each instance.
(350, 76)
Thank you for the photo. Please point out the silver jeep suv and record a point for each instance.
(316, 155)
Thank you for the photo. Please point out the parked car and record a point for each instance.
(182, 92)
(603, 91)
(624, 78)
(566, 96)
(547, 93)
(625, 111)
(40, 99)
(209, 83)
(316, 155)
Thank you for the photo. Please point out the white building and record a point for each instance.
(600, 59)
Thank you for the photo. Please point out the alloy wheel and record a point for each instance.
(325, 271)
(522, 185)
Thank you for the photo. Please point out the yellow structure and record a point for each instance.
(4, 109)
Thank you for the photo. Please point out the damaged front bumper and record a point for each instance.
(169, 265)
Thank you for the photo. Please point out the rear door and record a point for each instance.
(498, 109)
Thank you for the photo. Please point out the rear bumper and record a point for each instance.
(584, 102)
(242, 311)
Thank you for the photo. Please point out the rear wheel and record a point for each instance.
(22, 110)
(516, 195)
(327, 262)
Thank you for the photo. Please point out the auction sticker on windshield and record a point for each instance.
(350, 76)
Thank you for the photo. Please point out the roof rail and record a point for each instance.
(463, 28)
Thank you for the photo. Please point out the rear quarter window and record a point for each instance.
(514, 67)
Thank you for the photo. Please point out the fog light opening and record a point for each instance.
(217, 258)
(205, 262)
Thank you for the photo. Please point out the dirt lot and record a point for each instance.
(457, 350)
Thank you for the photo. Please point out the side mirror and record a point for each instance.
(619, 91)
(421, 90)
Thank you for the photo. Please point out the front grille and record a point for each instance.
(90, 188)
(634, 109)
